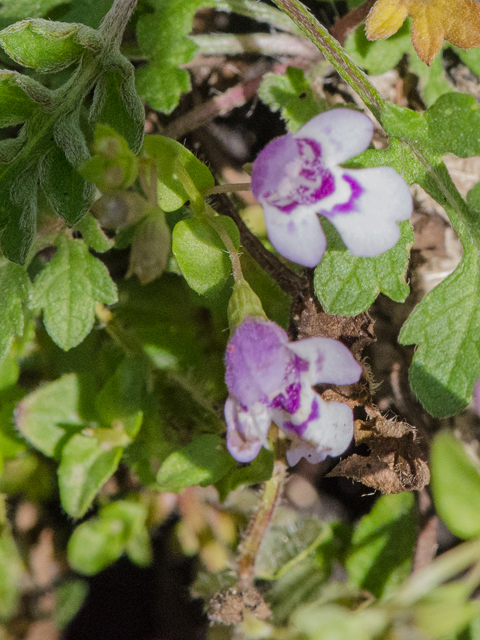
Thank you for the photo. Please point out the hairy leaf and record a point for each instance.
(86, 464)
(15, 290)
(347, 285)
(201, 254)
(67, 289)
(292, 95)
(202, 462)
(163, 39)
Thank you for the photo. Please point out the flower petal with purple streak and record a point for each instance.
(371, 228)
(247, 429)
(330, 361)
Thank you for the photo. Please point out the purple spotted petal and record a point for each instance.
(330, 361)
(329, 434)
(342, 133)
(247, 429)
(299, 236)
(256, 361)
(307, 410)
(368, 223)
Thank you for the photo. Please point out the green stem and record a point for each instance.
(114, 23)
(334, 53)
(259, 525)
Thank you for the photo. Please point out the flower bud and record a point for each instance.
(244, 302)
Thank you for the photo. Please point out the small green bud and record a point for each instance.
(114, 166)
(150, 247)
(244, 302)
(42, 44)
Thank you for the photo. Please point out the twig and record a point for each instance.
(289, 281)
(267, 44)
(342, 27)
(427, 538)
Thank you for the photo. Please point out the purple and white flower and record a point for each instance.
(270, 379)
(298, 176)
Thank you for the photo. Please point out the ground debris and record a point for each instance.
(229, 607)
(395, 462)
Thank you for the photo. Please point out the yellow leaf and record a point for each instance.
(433, 21)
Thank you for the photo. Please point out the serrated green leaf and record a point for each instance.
(15, 288)
(69, 195)
(379, 56)
(292, 95)
(11, 570)
(347, 285)
(42, 44)
(86, 464)
(446, 327)
(70, 597)
(67, 289)
(121, 400)
(383, 543)
(454, 125)
(201, 254)
(117, 104)
(15, 105)
(204, 461)
(95, 545)
(93, 235)
(166, 152)
(455, 486)
(163, 39)
(47, 415)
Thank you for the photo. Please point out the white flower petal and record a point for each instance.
(330, 361)
(303, 450)
(342, 134)
(332, 432)
(371, 228)
(246, 429)
(297, 236)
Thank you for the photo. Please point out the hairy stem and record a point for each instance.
(259, 525)
(334, 53)
(114, 23)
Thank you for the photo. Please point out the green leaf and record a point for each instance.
(67, 290)
(347, 285)
(316, 622)
(15, 105)
(445, 325)
(89, 12)
(292, 95)
(15, 289)
(11, 570)
(70, 597)
(383, 543)
(162, 37)
(201, 254)
(50, 414)
(95, 545)
(204, 461)
(134, 518)
(69, 195)
(93, 235)
(14, 10)
(120, 402)
(455, 486)
(433, 80)
(256, 472)
(470, 57)
(454, 125)
(117, 104)
(86, 464)
(42, 44)
(166, 153)
(151, 245)
(379, 56)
